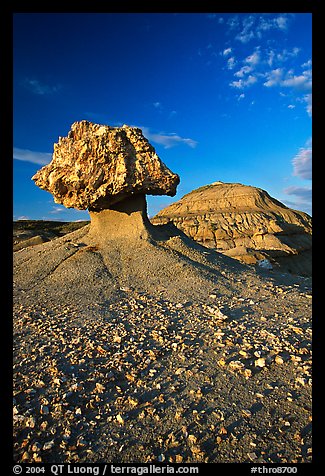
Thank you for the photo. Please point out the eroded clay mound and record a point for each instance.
(245, 223)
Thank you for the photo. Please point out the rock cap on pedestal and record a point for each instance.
(96, 166)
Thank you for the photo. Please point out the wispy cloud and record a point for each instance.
(242, 71)
(21, 217)
(273, 77)
(244, 83)
(264, 24)
(226, 51)
(254, 58)
(56, 210)
(251, 27)
(288, 79)
(302, 162)
(231, 62)
(276, 58)
(167, 140)
(302, 168)
(303, 194)
(308, 100)
(272, 68)
(157, 105)
(307, 64)
(26, 155)
(246, 33)
(39, 88)
(301, 81)
(297, 83)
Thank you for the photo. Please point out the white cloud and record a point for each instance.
(270, 59)
(307, 64)
(227, 51)
(247, 32)
(307, 99)
(243, 70)
(278, 77)
(168, 140)
(254, 26)
(39, 88)
(244, 83)
(274, 77)
(56, 210)
(26, 155)
(254, 58)
(241, 96)
(277, 57)
(268, 23)
(271, 66)
(296, 82)
(231, 62)
(301, 81)
(286, 54)
(304, 195)
(302, 168)
(302, 162)
(281, 22)
(250, 62)
(309, 108)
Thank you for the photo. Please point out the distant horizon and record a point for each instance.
(148, 197)
(221, 96)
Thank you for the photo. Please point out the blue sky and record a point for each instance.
(221, 96)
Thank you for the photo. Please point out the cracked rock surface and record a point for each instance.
(96, 166)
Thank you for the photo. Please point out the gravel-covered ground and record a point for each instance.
(158, 351)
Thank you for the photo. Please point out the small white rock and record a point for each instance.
(48, 445)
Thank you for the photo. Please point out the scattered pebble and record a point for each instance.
(260, 362)
(148, 364)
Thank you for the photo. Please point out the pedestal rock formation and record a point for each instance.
(109, 170)
(97, 166)
(246, 223)
(133, 342)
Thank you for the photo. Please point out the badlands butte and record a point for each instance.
(133, 342)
